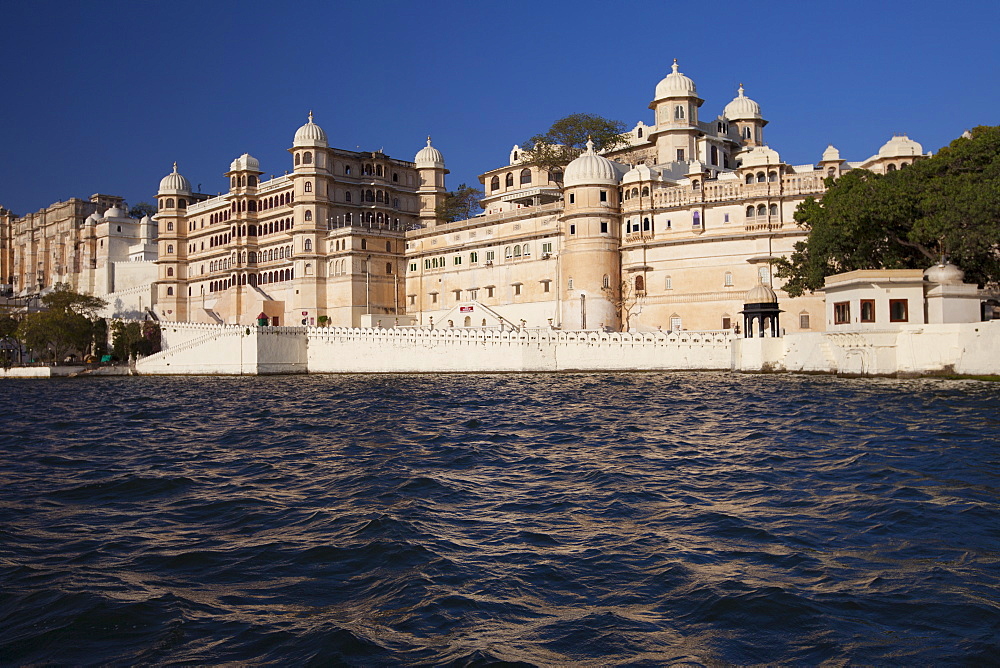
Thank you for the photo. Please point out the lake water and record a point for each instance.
(590, 519)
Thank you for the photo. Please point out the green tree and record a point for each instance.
(66, 325)
(459, 204)
(945, 206)
(10, 344)
(567, 138)
(142, 209)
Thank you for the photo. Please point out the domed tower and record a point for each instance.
(676, 105)
(744, 116)
(173, 198)
(590, 262)
(431, 171)
(311, 178)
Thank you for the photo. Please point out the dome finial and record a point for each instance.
(675, 66)
(310, 115)
(741, 89)
(428, 140)
(175, 166)
(590, 144)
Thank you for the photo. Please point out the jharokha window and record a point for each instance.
(898, 310)
(867, 310)
(842, 313)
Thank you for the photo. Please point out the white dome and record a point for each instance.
(310, 134)
(742, 108)
(944, 272)
(590, 169)
(245, 163)
(761, 294)
(900, 146)
(759, 156)
(93, 219)
(640, 173)
(174, 184)
(675, 84)
(114, 212)
(831, 154)
(429, 156)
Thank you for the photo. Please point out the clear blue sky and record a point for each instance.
(104, 96)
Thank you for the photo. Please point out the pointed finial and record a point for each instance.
(310, 115)
(428, 140)
(674, 67)
(590, 144)
(741, 89)
(175, 166)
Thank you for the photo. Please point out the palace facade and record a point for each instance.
(669, 232)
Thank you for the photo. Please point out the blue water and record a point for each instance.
(593, 519)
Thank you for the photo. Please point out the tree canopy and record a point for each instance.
(460, 204)
(945, 206)
(142, 209)
(66, 324)
(567, 138)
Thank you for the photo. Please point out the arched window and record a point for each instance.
(606, 282)
(307, 158)
(679, 112)
(170, 202)
(298, 160)
(369, 196)
(773, 210)
(378, 195)
(645, 191)
(170, 227)
(309, 216)
(507, 253)
(750, 212)
(388, 246)
(232, 181)
(364, 244)
(243, 179)
(761, 178)
(508, 180)
(170, 291)
(526, 249)
(761, 210)
(696, 219)
(746, 133)
(170, 249)
(347, 196)
(645, 224)
(890, 168)
(308, 187)
(714, 155)
(696, 184)
(308, 245)
(182, 203)
(517, 251)
(170, 271)
(639, 133)
(388, 267)
(525, 176)
(495, 183)
(772, 176)
(640, 283)
(378, 170)
(728, 279)
(749, 179)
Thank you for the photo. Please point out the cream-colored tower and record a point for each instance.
(173, 198)
(431, 190)
(744, 118)
(311, 205)
(676, 107)
(590, 262)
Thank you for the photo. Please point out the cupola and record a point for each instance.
(174, 184)
(310, 134)
(590, 169)
(245, 163)
(429, 157)
(742, 108)
(675, 84)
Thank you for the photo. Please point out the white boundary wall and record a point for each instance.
(351, 350)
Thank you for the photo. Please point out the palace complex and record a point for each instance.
(670, 232)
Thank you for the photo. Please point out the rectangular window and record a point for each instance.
(675, 324)
(604, 227)
(842, 313)
(458, 295)
(473, 257)
(473, 294)
(489, 291)
(413, 266)
(517, 289)
(727, 323)
(680, 155)
(547, 248)
(725, 218)
(604, 195)
(545, 286)
(899, 310)
(867, 310)
(572, 198)
(570, 284)
(427, 264)
(458, 259)
(434, 298)
(490, 256)
(803, 321)
(413, 299)
(668, 283)
(572, 229)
